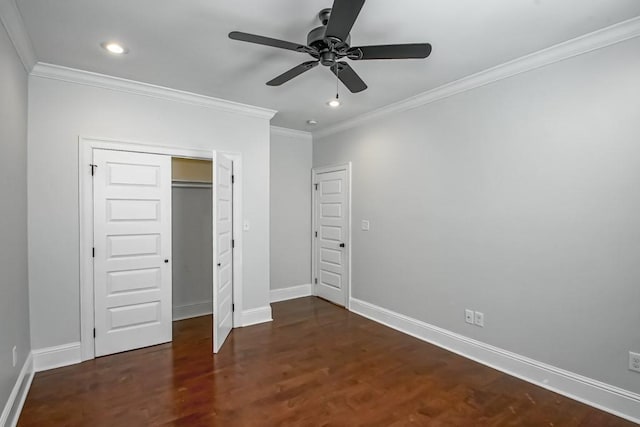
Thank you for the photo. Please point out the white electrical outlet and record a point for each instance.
(364, 225)
(15, 356)
(479, 319)
(634, 361)
(468, 316)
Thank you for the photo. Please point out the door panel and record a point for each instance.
(223, 251)
(331, 213)
(133, 210)
(132, 239)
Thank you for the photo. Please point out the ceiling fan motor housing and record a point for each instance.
(330, 49)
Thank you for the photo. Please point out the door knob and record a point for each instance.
(166, 261)
(342, 245)
(219, 264)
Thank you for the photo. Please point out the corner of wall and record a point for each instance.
(13, 23)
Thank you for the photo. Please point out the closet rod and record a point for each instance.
(190, 184)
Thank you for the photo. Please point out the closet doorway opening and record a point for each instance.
(191, 237)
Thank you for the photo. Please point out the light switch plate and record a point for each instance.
(246, 226)
(365, 225)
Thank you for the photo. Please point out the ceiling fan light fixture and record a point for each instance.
(312, 122)
(334, 103)
(115, 48)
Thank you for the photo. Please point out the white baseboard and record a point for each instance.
(606, 397)
(18, 395)
(290, 293)
(256, 315)
(57, 357)
(188, 311)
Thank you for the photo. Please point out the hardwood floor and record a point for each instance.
(315, 365)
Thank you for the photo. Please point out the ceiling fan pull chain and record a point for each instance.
(337, 86)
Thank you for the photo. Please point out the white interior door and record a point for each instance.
(223, 251)
(132, 249)
(331, 235)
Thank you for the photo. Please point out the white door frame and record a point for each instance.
(314, 172)
(86, 145)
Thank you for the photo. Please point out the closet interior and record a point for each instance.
(192, 238)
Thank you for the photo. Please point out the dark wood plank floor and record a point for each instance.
(315, 365)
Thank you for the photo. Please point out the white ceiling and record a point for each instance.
(183, 44)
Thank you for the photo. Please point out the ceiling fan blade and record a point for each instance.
(268, 41)
(390, 51)
(294, 72)
(348, 76)
(343, 16)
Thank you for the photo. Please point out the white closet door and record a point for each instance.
(223, 251)
(132, 239)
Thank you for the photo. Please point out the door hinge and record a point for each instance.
(315, 280)
(233, 243)
(93, 167)
(233, 179)
(316, 234)
(316, 185)
(93, 252)
(233, 307)
(94, 332)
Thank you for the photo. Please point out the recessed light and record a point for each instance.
(312, 122)
(334, 103)
(114, 48)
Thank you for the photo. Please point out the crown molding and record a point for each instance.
(580, 45)
(276, 130)
(88, 78)
(13, 23)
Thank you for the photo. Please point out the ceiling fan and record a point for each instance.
(330, 43)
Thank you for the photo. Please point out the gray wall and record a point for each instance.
(192, 252)
(14, 294)
(520, 199)
(60, 112)
(290, 209)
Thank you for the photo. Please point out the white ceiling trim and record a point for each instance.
(12, 21)
(72, 75)
(580, 45)
(277, 130)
